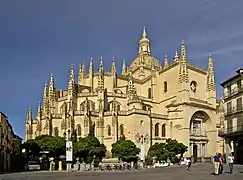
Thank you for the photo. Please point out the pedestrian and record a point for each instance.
(221, 163)
(216, 160)
(189, 163)
(231, 162)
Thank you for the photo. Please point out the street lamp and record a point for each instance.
(69, 150)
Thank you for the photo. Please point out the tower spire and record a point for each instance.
(124, 67)
(176, 57)
(39, 111)
(45, 99)
(52, 87)
(144, 44)
(29, 116)
(101, 69)
(183, 70)
(81, 74)
(91, 68)
(71, 79)
(113, 66)
(166, 62)
(210, 75)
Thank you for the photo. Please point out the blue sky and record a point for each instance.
(40, 37)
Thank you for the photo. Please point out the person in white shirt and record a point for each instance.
(231, 162)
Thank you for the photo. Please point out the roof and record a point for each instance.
(239, 73)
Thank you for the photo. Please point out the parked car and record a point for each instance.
(32, 166)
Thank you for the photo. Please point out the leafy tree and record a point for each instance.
(31, 147)
(55, 145)
(125, 150)
(166, 150)
(174, 148)
(89, 147)
(159, 151)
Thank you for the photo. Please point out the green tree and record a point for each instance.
(89, 147)
(166, 150)
(31, 147)
(159, 151)
(125, 150)
(174, 148)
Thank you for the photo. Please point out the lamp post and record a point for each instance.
(69, 150)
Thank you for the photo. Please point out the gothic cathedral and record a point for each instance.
(147, 103)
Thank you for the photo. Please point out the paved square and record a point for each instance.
(198, 172)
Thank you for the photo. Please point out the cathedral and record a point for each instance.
(147, 103)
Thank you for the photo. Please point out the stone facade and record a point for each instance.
(232, 131)
(147, 103)
(7, 143)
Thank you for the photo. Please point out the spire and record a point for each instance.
(124, 67)
(183, 71)
(101, 69)
(91, 68)
(210, 75)
(144, 43)
(39, 112)
(45, 99)
(52, 87)
(71, 79)
(101, 75)
(113, 67)
(82, 73)
(166, 62)
(176, 57)
(29, 116)
(183, 56)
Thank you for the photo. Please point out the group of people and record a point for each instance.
(219, 162)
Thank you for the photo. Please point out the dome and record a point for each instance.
(148, 61)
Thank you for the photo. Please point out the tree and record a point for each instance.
(89, 147)
(166, 150)
(174, 148)
(55, 145)
(31, 147)
(159, 151)
(125, 150)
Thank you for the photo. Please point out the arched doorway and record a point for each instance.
(200, 122)
(239, 150)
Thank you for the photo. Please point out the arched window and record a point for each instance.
(156, 130)
(121, 130)
(118, 107)
(163, 131)
(108, 130)
(165, 86)
(149, 93)
(93, 106)
(78, 130)
(82, 107)
(56, 132)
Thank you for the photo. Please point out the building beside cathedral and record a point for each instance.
(147, 103)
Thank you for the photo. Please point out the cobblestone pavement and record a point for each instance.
(198, 172)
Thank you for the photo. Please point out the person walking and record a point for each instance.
(189, 163)
(231, 162)
(216, 160)
(221, 163)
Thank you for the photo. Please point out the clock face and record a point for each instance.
(193, 86)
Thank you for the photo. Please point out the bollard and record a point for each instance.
(60, 166)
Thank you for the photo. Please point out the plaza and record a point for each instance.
(198, 171)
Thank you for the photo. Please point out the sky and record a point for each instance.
(42, 37)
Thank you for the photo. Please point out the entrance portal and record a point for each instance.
(194, 153)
